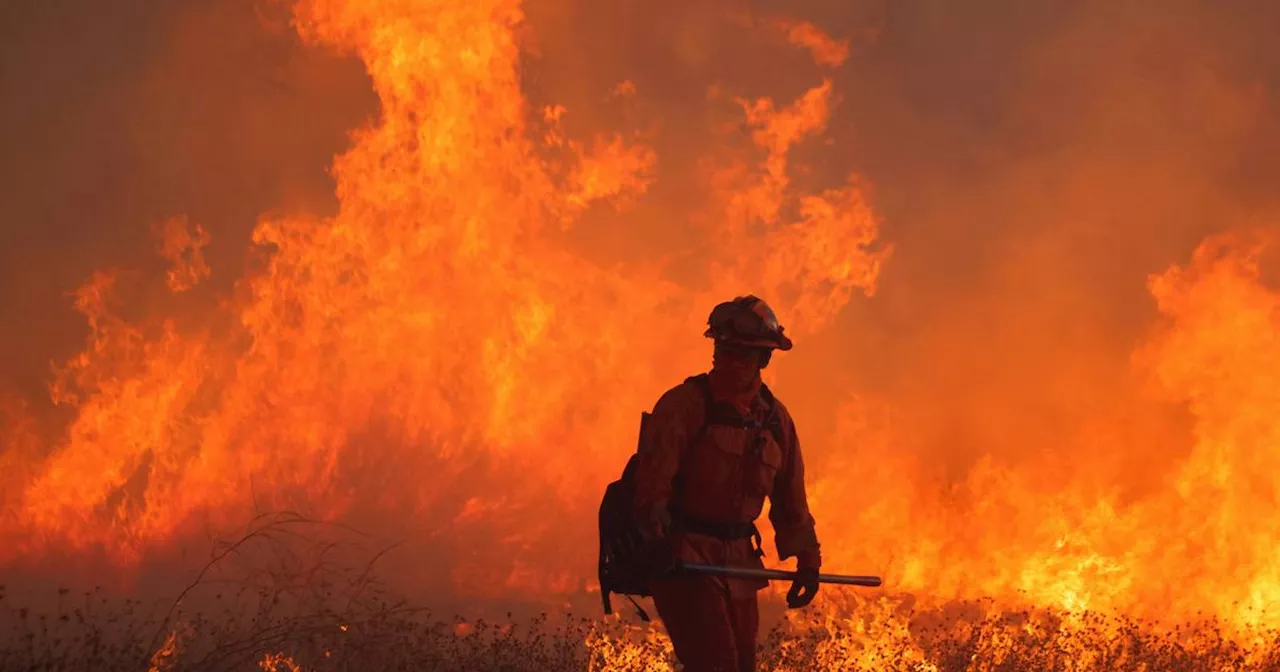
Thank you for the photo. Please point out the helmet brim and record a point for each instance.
(783, 343)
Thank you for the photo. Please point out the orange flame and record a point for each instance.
(825, 50)
(1198, 545)
(165, 657)
(437, 308)
(278, 662)
(445, 349)
(182, 246)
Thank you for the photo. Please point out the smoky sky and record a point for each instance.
(1032, 162)
(120, 115)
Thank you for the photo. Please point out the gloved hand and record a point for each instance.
(803, 588)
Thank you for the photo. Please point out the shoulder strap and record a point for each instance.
(710, 416)
(710, 408)
(703, 383)
(773, 421)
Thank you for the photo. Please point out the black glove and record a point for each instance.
(803, 587)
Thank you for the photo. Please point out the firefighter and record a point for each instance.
(715, 447)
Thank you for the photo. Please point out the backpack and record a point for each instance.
(624, 567)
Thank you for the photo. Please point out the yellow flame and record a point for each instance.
(278, 662)
(447, 308)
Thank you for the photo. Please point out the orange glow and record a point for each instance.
(182, 246)
(278, 662)
(441, 248)
(165, 657)
(825, 50)
(444, 352)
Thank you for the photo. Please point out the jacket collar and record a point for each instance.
(745, 401)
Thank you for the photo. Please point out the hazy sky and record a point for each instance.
(117, 115)
(1033, 161)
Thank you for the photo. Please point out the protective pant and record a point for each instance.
(710, 631)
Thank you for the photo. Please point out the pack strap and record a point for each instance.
(608, 604)
(715, 413)
(712, 414)
(639, 609)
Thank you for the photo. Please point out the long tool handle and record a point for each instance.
(780, 575)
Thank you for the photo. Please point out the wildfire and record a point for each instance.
(165, 657)
(445, 350)
(441, 302)
(278, 662)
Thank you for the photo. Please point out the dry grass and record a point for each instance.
(299, 607)
(93, 633)
(973, 636)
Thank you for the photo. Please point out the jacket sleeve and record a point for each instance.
(663, 443)
(794, 528)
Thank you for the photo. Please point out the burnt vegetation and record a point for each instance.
(257, 631)
(100, 634)
(277, 600)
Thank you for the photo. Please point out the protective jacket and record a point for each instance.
(707, 462)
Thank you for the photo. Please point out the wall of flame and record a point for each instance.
(457, 353)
